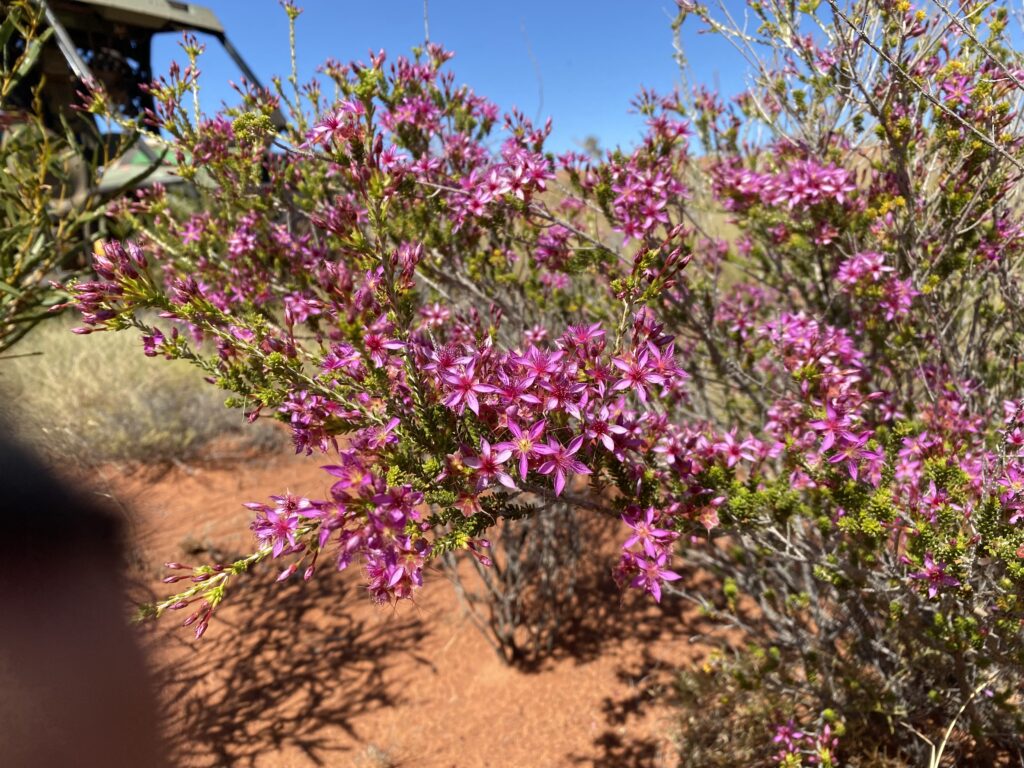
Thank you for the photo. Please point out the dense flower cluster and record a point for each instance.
(804, 183)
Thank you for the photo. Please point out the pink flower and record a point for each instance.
(867, 265)
(377, 347)
(958, 90)
(733, 451)
(488, 465)
(652, 538)
(434, 315)
(340, 125)
(464, 390)
(874, 464)
(602, 428)
(511, 390)
(832, 427)
(582, 335)
(277, 526)
(652, 572)
(936, 576)
(639, 375)
(525, 445)
(560, 461)
(851, 453)
(898, 299)
(539, 363)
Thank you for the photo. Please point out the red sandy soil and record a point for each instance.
(293, 675)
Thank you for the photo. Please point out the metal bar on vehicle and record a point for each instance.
(81, 70)
(67, 46)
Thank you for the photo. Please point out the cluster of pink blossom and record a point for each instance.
(643, 197)
(803, 183)
(741, 308)
(647, 193)
(796, 745)
(867, 274)
(647, 552)
(559, 410)
(520, 174)
(1011, 477)
(554, 410)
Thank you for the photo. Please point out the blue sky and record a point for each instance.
(592, 55)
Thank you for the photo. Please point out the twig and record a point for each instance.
(985, 138)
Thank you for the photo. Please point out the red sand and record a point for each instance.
(314, 674)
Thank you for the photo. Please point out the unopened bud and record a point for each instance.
(136, 255)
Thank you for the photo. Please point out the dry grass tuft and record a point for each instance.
(84, 400)
(374, 757)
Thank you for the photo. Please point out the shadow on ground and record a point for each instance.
(648, 679)
(292, 669)
(578, 626)
(283, 665)
(601, 619)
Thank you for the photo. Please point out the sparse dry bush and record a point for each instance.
(93, 400)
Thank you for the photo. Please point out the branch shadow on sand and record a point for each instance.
(284, 666)
(648, 680)
(649, 632)
(651, 642)
(588, 620)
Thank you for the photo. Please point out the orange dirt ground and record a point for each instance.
(296, 674)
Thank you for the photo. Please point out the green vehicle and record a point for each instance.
(58, 169)
(110, 42)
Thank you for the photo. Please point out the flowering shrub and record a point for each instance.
(822, 408)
